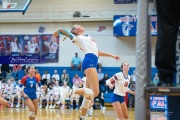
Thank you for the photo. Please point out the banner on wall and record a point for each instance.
(128, 1)
(126, 25)
(28, 49)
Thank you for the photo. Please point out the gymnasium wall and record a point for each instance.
(54, 14)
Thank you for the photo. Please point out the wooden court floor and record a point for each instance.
(57, 114)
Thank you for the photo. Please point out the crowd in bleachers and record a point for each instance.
(55, 82)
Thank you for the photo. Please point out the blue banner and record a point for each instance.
(128, 1)
(28, 49)
(126, 25)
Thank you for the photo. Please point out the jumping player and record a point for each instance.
(121, 81)
(29, 82)
(89, 47)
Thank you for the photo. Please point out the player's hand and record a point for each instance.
(25, 96)
(116, 57)
(111, 86)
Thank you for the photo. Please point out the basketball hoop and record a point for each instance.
(6, 4)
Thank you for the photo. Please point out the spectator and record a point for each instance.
(101, 82)
(107, 90)
(13, 82)
(76, 62)
(65, 76)
(133, 76)
(45, 77)
(16, 68)
(156, 79)
(76, 78)
(5, 69)
(99, 66)
(56, 76)
(0, 75)
(37, 74)
(131, 97)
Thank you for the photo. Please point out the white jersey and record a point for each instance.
(121, 84)
(86, 44)
(54, 46)
(32, 47)
(56, 90)
(14, 89)
(49, 92)
(64, 90)
(14, 47)
(8, 89)
(56, 76)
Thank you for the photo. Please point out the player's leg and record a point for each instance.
(93, 84)
(35, 103)
(124, 110)
(118, 109)
(19, 101)
(31, 107)
(3, 102)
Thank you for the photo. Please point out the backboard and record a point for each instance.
(14, 5)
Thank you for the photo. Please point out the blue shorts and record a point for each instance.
(90, 61)
(115, 98)
(32, 96)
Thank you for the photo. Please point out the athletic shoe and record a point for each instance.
(103, 108)
(89, 112)
(17, 106)
(54, 106)
(50, 106)
(40, 106)
(12, 105)
(47, 106)
(58, 102)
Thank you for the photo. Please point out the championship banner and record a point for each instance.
(28, 49)
(125, 25)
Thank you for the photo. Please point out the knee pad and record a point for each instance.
(88, 93)
(32, 114)
(86, 103)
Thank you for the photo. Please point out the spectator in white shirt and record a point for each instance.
(55, 75)
(46, 76)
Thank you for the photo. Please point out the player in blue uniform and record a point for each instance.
(89, 47)
(29, 82)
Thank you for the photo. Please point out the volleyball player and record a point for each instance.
(29, 82)
(121, 80)
(89, 47)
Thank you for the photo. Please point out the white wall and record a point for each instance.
(122, 46)
(58, 13)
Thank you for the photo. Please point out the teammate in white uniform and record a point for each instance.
(56, 95)
(48, 95)
(63, 91)
(121, 81)
(88, 46)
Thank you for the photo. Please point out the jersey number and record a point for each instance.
(125, 84)
(93, 40)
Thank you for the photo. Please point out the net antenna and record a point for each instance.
(6, 4)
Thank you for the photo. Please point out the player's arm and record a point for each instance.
(64, 32)
(100, 53)
(130, 91)
(21, 86)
